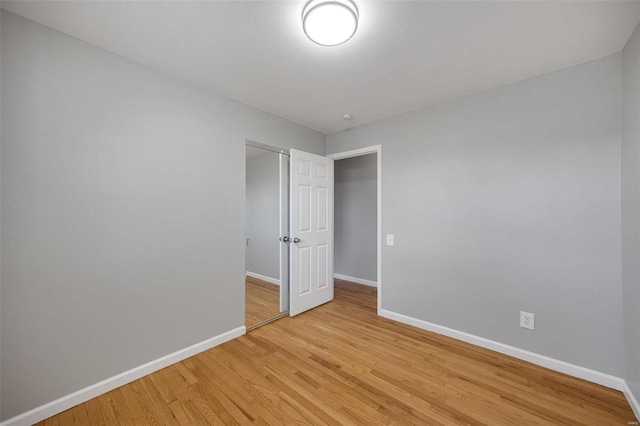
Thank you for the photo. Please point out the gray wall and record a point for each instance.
(631, 209)
(0, 221)
(122, 212)
(263, 214)
(509, 200)
(355, 217)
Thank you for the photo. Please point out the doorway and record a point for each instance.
(358, 219)
(288, 231)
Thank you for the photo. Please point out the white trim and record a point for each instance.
(263, 278)
(356, 280)
(603, 379)
(355, 152)
(61, 404)
(374, 149)
(631, 398)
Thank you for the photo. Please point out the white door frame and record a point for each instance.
(375, 149)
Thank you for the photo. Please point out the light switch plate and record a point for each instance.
(390, 239)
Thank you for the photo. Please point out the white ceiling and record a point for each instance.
(405, 55)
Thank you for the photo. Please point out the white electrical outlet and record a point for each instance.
(527, 320)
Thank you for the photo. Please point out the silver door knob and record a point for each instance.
(296, 240)
(285, 239)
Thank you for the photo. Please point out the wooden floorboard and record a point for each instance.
(262, 301)
(341, 364)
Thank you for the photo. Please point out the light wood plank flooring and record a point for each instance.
(262, 301)
(341, 364)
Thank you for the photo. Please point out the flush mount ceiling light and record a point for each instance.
(330, 22)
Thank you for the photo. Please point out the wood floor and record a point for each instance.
(262, 301)
(341, 364)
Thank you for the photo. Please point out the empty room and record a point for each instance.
(343, 212)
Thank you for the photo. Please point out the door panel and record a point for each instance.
(311, 216)
(304, 268)
(323, 265)
(322, 198)
(304, 208)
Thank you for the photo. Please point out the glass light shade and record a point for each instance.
(330, 22)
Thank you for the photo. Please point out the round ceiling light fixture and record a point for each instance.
(330, 22)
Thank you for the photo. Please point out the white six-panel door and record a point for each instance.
(311, 228)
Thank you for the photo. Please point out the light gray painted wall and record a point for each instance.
(631, 209)
(122, 212)
(509, 200)
(0, 220)
(356, 217)
(263, 214)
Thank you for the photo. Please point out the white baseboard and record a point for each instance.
(61, 404)
(554, 364)
(633, 402)
(356, 280)
(263, 278)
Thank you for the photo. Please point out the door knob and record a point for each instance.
(285, 239)
(296, 240)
